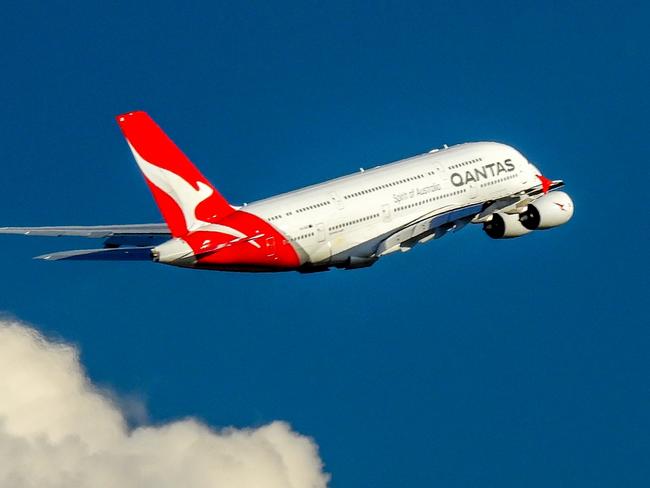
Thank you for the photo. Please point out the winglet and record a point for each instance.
(185, 197)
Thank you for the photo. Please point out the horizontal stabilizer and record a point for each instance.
(116, 254)
(96, 231)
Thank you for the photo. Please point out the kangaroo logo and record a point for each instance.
(185, 196)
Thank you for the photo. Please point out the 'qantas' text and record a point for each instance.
(484, 172)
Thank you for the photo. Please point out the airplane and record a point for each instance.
(348, 222)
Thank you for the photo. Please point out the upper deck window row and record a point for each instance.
(314, 206)
(386, 185)
(465, 163)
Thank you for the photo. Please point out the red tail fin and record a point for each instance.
(187, 200)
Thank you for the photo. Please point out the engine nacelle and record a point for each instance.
(504, 226)
(551, 210)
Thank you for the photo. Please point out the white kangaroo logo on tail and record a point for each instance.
(185, 196)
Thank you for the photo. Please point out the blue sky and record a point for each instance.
(466, 362)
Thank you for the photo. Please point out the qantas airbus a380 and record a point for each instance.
(349, 222)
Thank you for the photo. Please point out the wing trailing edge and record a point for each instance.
(114, 254)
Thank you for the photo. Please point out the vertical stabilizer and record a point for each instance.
(187, 200)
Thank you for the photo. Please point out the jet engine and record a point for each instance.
(504, 226)
(551, 210)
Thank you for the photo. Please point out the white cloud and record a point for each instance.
(58, 430)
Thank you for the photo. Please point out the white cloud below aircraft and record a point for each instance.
(349, 222)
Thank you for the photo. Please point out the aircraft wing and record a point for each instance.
(514, 203)
(113, 254)
(428, 228)
(93, 231)
(436, 226)
(115, 235)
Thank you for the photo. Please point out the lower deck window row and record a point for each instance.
(428, 200)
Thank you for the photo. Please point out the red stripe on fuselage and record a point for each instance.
(273, 250)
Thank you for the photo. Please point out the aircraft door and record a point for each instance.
(472, 192)
(523, 173)
(385, 212)
(322, 252)
(440, 175)
(439, 169)
(337, 200)
(321, 234)
(270, 246)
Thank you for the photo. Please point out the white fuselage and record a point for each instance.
(349, 216)
(349, 222)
